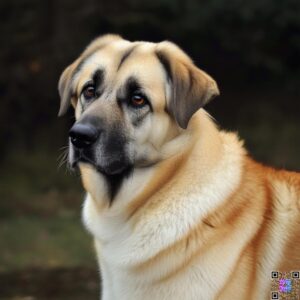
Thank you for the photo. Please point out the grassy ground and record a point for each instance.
(46, 258)
(41, 242)
(75, 283)
(45, 252)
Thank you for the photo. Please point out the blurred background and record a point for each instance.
(251, 48)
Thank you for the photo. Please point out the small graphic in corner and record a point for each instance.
(285, 285)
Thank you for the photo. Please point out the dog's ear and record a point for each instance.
(65, 88)
(191, 88)
(66, 82)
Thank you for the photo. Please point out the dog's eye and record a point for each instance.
(138, 100)
(89, 92)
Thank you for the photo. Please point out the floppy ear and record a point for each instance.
(65, 85)
(191, 88)
(65, 88)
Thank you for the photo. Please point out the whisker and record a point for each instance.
(63, 157)
(63, 147)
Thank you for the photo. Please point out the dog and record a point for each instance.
(177, 208)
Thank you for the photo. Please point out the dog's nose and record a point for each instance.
(83, 135)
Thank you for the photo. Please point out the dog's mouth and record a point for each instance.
(110, 168)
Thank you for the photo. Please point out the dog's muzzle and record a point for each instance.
(102, 149)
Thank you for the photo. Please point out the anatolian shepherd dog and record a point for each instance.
(177, 208)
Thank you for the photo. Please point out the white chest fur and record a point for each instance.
(122, 245)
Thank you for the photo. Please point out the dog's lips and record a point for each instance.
(112, 168)
(83, 159)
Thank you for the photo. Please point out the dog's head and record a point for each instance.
(129, 99)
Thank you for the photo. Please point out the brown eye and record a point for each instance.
(138, 100)
(89, 92)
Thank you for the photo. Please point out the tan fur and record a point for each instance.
(198, 219)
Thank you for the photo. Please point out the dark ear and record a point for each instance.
(66, 82)
(191, 88)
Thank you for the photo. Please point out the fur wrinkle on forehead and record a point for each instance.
(125, 55)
